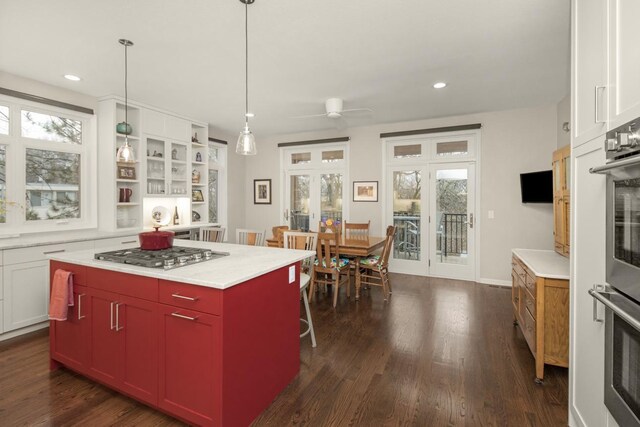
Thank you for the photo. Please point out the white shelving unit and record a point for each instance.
(170, 152)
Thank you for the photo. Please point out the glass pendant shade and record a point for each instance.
(125, 153)
(246, 143)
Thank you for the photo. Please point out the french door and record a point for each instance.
(452, 225)
(313, 196)
(432, 207)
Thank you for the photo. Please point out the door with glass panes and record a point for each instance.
(314, 187)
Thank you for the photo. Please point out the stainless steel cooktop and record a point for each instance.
(165, 258)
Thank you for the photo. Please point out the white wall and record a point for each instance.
(513, 142)
(33, 87)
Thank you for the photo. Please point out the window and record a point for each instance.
(4, 120)
(405, 151)
(216, 187)
(300, 158)
(452, 148)
(332, 156)
(51, 156)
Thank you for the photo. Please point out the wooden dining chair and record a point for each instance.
(331, 227)
(329, 267)
(277, 234)
(374, 270)
(355, 230)
(308, 242)
(212, 234)
(250, 237)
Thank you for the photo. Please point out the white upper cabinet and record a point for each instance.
(165, 125)
(589, 69)
(153, 122)
(605, 65)
(176, 128)
(624, 61)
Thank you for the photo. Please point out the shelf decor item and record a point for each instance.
(125, 152)
(126, 172)
(195, 177)
(198, 157)
(196, 196)
(246, 141)
(365, 191)
(261, 191)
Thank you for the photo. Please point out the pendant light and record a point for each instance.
(125, 152)
(246, 142)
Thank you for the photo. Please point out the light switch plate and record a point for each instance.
(292, 274)
(490, 215)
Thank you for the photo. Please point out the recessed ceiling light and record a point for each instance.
(440, 85)
(72, 77)
(250, 115)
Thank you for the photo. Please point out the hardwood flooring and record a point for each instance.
(440, 353)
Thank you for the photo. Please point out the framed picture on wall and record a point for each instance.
(365, 191)
(261, 191)
(126, 172)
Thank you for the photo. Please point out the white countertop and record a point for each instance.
(39, 239)
(243, 263)
(543, 263)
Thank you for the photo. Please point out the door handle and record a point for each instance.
(118, 328)
(111, 316)
(80, 316)
(597, 103)
(286, 214)
(471, 220)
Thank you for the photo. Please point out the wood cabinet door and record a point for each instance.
(70, 338)
(589, 69)
(137, 329)
(190, 365)
(558, 222)
(624, 61)
(104, 346)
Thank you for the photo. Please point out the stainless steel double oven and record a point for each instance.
(621, 296)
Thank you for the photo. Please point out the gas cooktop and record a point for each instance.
(164, 258)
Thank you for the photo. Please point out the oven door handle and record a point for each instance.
(600, 296)
(604, 169)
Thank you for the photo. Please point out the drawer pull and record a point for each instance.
(184, 297)
(128, 241)
(53, 252)
(182, 316)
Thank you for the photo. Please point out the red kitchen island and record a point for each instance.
(211, 343)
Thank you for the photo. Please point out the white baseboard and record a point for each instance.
(25, 330)
(495, 282)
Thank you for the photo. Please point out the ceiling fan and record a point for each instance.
(333, 107)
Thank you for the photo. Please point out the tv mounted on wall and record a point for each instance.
(537, 187)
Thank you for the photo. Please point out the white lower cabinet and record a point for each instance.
(1, 298)
(117, 242)
(25, 283)
(26, 294)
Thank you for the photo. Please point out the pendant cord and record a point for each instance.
(246, 62)
(126, 95)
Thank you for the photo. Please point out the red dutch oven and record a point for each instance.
(156, 240)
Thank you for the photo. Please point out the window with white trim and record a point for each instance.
(46, 155)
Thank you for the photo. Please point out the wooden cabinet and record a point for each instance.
(541, 309)
(605, 65)
(562, 200)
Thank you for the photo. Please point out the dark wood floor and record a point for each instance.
(441, 353)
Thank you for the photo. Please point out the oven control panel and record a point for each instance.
(623, 141)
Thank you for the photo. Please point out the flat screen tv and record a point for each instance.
(537, 187)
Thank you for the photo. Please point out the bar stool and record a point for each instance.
(305, 279)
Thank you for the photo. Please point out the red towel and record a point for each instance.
(61, 295)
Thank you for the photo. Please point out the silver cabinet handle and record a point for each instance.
(111, 316)
(128, 241)
(53, 252)
(182, 316)
(177, 295)
(80, 316)
(118, 327)
(597, 103)
(597, 292)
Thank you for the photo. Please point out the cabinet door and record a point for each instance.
(26, 294)
(589, 69)
(558, 224)
(70, 338)
(105, 343)
(624, 61)
(190, 365)
(136, 323)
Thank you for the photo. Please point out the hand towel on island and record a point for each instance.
(61, 295)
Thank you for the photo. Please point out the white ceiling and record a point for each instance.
(381, 54)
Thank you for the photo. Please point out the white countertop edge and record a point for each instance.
(521, 253)
(182, 274)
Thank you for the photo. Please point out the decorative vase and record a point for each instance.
(124, 128)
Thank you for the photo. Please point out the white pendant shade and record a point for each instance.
(125, 154)
(246, 143)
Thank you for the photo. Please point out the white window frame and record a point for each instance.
(315, 166)
(221, 167)
(16, 146)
